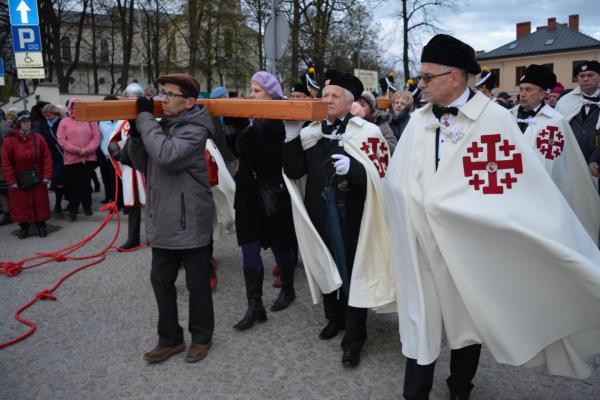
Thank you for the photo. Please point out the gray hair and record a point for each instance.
(349, 95)
(133, 90)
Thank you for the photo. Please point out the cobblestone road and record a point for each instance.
(89, 342)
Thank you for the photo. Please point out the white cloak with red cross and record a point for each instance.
(486, 248)
(570, 104)
(223, 195)
(133, 182)
(553, 141)
(372, 283)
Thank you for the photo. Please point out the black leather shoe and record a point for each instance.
(330, 331)
(72, 217)
(350, 359)
(88, 211)
(42, 232)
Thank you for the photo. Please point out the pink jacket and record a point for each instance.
(75, 135)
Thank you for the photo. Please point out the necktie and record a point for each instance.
(595, 99)
(438, 111)
(523, 115)
(328, 129)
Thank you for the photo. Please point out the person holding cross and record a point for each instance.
(346, 156)
(179, 211)
(487, 250)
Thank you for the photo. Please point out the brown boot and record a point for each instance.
(197, 352)
(161, 353)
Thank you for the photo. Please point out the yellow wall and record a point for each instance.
(563, 68)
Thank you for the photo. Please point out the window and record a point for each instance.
(512, 46)
(104, 51)
(549, 42)
(519, 72)
(575, 64)
(65, 48)
(496, 71)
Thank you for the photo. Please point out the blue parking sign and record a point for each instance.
(23, 12)
(1, 67)
(26, 38)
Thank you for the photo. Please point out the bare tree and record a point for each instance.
(126, 15)
(257, 14)
(418, 17)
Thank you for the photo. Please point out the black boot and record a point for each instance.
(256, 310)
(461, 394)
(287, 293)
(5, 219)
(58, 192)
(41, 227)
(133, 229)
(24, 232)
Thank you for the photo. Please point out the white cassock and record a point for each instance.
(133, 182)
(371, 284)
(553, 141)
(486, 247)
(223, 195)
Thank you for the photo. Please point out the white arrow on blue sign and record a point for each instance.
(23, 12)
(26, 38)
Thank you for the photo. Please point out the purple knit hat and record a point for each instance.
(269, 83)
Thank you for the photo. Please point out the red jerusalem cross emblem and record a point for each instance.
(377, 151)
(550, 142)
(492, 164)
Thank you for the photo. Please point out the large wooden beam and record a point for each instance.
(299, 110)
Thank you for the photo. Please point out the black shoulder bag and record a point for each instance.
(27, 179)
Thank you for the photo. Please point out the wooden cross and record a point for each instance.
(298, 110)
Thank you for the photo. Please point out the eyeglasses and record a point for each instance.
(170, 95)
(428, 77)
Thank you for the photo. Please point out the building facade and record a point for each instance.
(560, 47)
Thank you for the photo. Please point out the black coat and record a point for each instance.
(399, 121)
(584, 128)
(259, 149)
(312, 163)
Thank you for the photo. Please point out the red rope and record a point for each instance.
(11, 269)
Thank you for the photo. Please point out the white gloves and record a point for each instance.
(342, 164)
(292, 130)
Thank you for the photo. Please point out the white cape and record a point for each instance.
(570, 104)
(223, 195)
(551, 137)
(371, 284)
(488, 249)
(130, 177)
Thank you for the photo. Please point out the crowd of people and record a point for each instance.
(473, 218)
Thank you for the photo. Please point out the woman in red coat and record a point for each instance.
(22, 150)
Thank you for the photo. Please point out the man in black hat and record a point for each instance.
(179, 211)
(300, 92)
(467, 195)
(350, 155)
(581, 106)
(553, 141)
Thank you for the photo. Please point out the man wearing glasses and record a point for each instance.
(487, 249)
(179, 211)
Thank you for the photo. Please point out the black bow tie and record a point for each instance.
(328, 129)
(595, 99)
(522, 114)
(438, 111)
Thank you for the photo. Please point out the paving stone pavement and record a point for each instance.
(89, 343)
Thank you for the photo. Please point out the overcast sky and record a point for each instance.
(488, 24)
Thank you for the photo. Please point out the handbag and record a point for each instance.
(27, 179)
(275, 200)
(212, 168)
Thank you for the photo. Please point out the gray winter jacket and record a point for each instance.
(179, 207)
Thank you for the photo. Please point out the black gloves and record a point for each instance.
(145, 105)
(133, 132)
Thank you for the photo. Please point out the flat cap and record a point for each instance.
(184, 81)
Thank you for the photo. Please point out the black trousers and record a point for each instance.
(418, 379)
(78, 177)
(107, 171)
(353, 319)
(165, 266)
